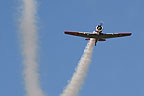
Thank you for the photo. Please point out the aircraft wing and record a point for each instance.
(80, 34)
(96, 35)
(113, 35)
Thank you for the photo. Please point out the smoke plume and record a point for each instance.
(74, 86)
(29, 38)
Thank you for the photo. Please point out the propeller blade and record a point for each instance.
(101, 23)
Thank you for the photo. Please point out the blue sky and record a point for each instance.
(117, 64)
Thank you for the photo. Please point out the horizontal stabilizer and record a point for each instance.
(98, 39)
(101, 39)
(87, 39)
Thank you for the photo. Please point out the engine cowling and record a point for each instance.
(99, 28)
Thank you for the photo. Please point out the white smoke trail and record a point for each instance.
(74, 86)
(29, 44)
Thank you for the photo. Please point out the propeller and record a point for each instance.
(101, 23)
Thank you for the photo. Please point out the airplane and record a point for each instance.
(97, 34)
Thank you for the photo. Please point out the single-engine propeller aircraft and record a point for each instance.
(97, 34)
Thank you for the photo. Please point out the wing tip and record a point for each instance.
(125, 34)
(69, 32)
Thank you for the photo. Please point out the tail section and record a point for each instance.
(97, 40)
